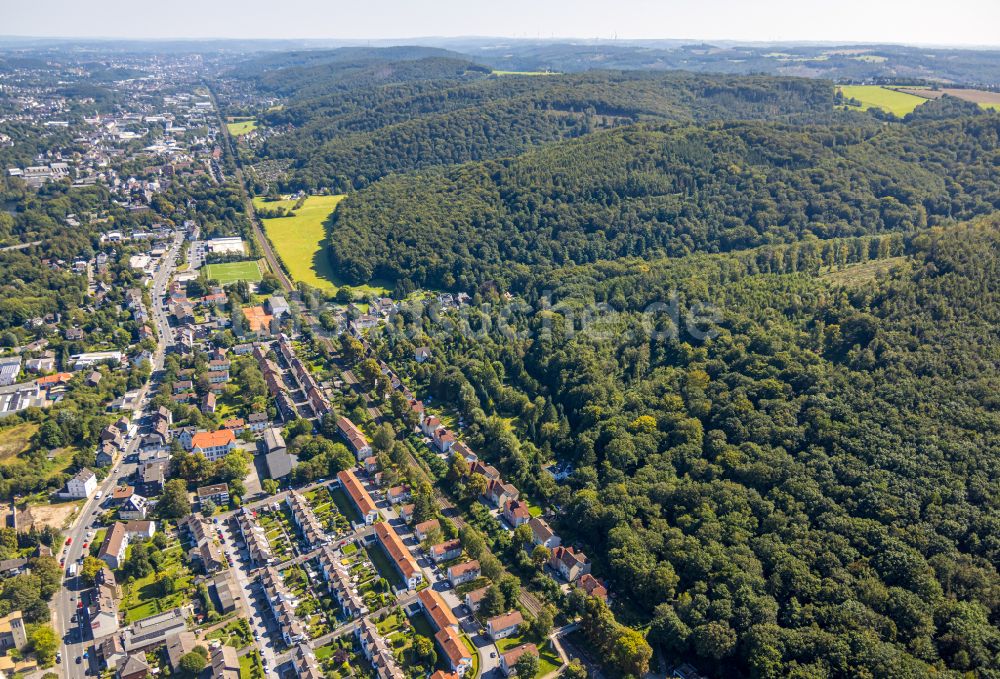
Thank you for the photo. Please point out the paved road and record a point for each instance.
(76, 638)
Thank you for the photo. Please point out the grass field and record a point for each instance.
(873, 96)
(230, 272)
(301, 242)
(241, 127)
(15, 440)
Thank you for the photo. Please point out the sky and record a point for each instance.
(930, 22)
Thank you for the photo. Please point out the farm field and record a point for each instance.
(301, 242)
(241, 127)
(873, 96)
(230, 272)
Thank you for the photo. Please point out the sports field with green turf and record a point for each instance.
(240, 127)
(873, 96)
(230, 272)
(301, 241)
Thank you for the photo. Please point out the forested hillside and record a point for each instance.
(813, 492)
(356, 132)
(666, 190)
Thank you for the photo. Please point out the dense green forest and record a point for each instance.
(355, 133)
(666, 190)
(811, 491)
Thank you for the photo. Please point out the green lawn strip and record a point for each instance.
(250, 667)
(344, 505)
(475, 654)
(384, 567)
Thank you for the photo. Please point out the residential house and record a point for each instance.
(489, 472)
(400, 556)
(467, 571)
(421, 354)
(359, 496)
(134, 667)
(377, 651)
(437, 610)
(217, 493)
(444, 439)
(592, 586)
(398, 494)
(208, 403)
(82, 485)
(304, 663)
(425, 528)
(255, 538)
(258, 422)
(569, 563)
(213, 444)
(542, 533)
(446, 551)
(357, 440)
(475, 597)
(282, 605)
(178, 646)
(498, 492)
(12, 632)
(235, 424)
(103, 611)
(508, 660)
(406, 512)
(454, 651)
(430, 425)
(341, 584)
(506, 625)
(515, 513)
(305, 519)
(135, 508)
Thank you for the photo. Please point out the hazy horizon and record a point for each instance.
(961, 23)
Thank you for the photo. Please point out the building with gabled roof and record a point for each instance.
(437, 609)
(355, 437)
(508, 660)
(359, 496)
(458, 657)
(505, 625)
(400, 556)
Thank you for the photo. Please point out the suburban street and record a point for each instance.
(76, 638)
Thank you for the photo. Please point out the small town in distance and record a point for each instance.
(488, 358)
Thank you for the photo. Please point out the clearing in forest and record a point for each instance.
(301, 241)
(873, 96)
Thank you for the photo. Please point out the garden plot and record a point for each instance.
(339, 659)
(319, 618)
(326, 511)
(372, 587)
(280, 531)
(169, 587)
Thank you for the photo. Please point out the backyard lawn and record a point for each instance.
(384, 566)
(548, 659)
(146, 596)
